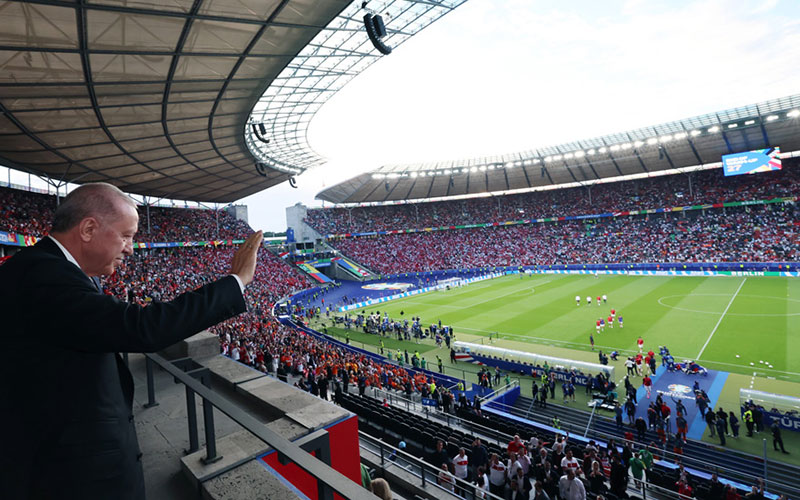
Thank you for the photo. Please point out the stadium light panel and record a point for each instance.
(414, 174)
(377, 176)
(447, 172)
(473, 169)
(557, 157)
(482, 168)
(638, 144)
(695, 133)
(602, 150)
(627, 145)
(548, 158)
(713, 130)
(680, 135)
(793, 113)
(517, 163)
(733, 125)
(772, 118)
(568, 156)
(749, 122)
(490, 167)
(665, 138)
(652, 141)
(614, 147)
(579, 154)
(591, 152)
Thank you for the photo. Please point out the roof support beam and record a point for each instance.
(527, 179)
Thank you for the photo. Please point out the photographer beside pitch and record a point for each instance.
(66, 397)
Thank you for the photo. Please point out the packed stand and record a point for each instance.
(657, 192)
(25, 212)
(190, 224)
(165, 273)
(30, 214)
(768, 233)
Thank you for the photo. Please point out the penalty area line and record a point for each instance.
(720, 319)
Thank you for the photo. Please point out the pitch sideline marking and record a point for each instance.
(720, 319)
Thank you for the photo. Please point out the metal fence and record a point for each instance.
(196, 378)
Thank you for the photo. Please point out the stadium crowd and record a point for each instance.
(25, 212)
(30, 214)
(190, 224)
(749, 234)
(650, 193)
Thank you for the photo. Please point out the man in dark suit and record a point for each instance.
(66, 422)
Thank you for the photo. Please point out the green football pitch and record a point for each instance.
(742, 325)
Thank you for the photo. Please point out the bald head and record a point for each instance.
(100, 200)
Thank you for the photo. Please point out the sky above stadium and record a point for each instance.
(501, 76)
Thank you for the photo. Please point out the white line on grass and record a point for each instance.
(720, 319)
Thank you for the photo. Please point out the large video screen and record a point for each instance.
(751, 162)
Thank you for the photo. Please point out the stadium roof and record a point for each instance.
(700, 140)
(155, 96)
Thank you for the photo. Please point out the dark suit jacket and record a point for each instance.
(66, 423)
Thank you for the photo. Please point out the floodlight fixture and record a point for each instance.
(638, 144)
(713, 130)
(473, 169)
(556, 157)
(614, 147)
(680, 135)
(733, 125)
(579, 154)
(548, 158)
(793, 113)
(695, 133)
(749, 122)
(591, 152)
(627, 145)
(482, 168)
(568, 156)
(447, 172)
(772, 118)
(665, 138)
(602, 150)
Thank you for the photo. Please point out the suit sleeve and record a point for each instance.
(79, 318)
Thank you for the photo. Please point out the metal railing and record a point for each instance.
(196, 378)
(425, 472)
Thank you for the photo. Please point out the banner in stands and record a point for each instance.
(174, 244)
(17, 239)
(729, 204)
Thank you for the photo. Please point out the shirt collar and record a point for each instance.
(65, 251)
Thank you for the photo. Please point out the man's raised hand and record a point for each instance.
(244, 260)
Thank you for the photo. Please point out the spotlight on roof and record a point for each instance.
(261, 168)
(713, 129)
(375, 31)
(260, 131)
(793, 113)
(695, 133)
(772, 118)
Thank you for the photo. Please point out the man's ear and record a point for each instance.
(88, 228)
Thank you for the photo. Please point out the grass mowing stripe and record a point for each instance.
(720, 319)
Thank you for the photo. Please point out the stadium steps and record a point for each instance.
(575, 420)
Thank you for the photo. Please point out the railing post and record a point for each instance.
(211, 439)
(765, 462)
(381, 446)
(422, 473)
(191, 415)
(151, 390)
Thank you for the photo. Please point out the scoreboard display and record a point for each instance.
(751, 162)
